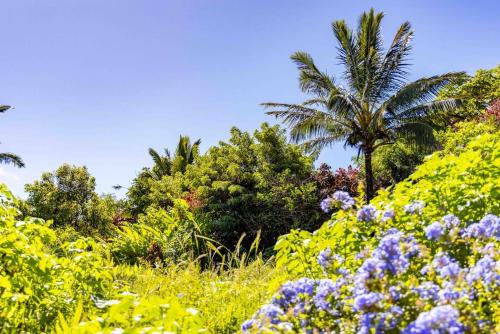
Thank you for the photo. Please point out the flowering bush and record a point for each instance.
(401, 285)
(423, 257)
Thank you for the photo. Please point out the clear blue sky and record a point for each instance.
(97, 82)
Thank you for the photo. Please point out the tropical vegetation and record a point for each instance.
(255, 235)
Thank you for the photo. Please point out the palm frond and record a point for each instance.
(311, 79)
(421, 91)
(347, 53)
(11, 158)
(417, 134)
(4, 108)
(392, 73)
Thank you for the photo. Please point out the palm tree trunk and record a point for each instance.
(367, 151)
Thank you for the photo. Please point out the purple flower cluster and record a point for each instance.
(485, 271)
(373, 299)
(300, 297)
(441, 319)
(434, 231)
(340, 199)
(343, 199)
(325, 258)
(488, 227)
(326, 204)
(387, 215)
(366, 213)
(416, 207)
(446, 267)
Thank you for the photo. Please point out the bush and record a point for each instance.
(35, 284)
(423, 254)
(159, 236)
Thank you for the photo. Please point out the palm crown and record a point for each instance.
(377, 107)
(10, 158)
(185, 153)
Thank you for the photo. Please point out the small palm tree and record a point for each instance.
(377, 107)
(10, 158)
(185, 153)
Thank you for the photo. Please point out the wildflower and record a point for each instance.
(428, 290)
(446, 267)
(451, 221)
(343, 199)
(325, 258)
(271, 312)
(387, 215)
(247, 325)
(367, 300)
(414, 207)
(448, 293)
(440, 319)
(326, 288)
(326, 204)
(434, 231)
(488, 227)
(484, 270)
(367, 213)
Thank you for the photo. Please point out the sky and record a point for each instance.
(98, 82)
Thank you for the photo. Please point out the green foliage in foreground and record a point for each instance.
(47, 285)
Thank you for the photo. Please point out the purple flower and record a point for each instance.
(325, 290)
(428, 290)
(451, 221)
(414, 207)
(446, 267)
(343, 199)
(367, 300)
(448, 294)
(326, 204)
(271, 312)
(434, 231)
(325, 258)
(484, 271)
(441, 319)
(247, 325)
(488, 227)
(387, 215)
(367, 213)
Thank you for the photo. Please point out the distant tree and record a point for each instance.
(343, 179)
(145, 188)
(253, 183)
(377, 107)
(477, 93)
(10, 158)
(67, 196)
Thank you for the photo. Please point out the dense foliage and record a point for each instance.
(479, 97)
(254, 183)
(423, 256)
(67, 196)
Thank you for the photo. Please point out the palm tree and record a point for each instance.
(163, 163)
(377, 107)
(10, 158)
(185, 153)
